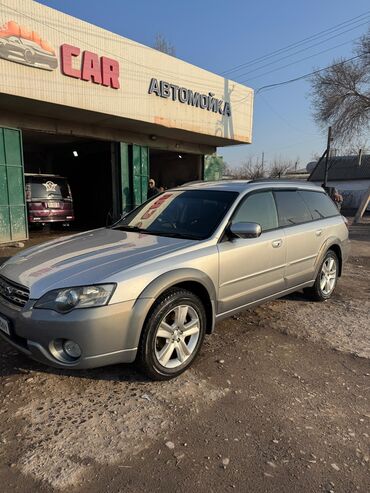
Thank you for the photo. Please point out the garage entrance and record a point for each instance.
(171, 169)
(87, 167)
(50, 179)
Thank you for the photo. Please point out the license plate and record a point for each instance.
(4, 325)
(54, 205)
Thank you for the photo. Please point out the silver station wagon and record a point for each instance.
(150, 287)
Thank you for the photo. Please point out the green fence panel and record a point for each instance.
(13, 212)
(140, 173)
(125, 176)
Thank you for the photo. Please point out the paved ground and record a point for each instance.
(277, 401)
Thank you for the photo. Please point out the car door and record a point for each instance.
(302, 236)
(252, 269)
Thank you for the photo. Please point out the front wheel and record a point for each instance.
(172, 335)
(326, 279)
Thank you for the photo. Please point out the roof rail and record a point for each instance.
(274, 180)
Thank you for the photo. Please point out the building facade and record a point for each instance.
(103, 111)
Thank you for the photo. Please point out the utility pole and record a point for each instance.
(327, 158)
(263, 161)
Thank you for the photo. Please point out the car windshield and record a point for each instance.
(47, 187)
(192, 214)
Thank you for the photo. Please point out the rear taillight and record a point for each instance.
(35, 205)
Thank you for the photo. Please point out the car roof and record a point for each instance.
(45, 175)
(241, 186)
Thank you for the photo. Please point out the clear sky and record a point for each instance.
(219, 35)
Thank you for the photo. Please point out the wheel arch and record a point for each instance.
(338, 252)
(330, 244)
(191, 279)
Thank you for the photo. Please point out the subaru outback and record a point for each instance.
(150, 287)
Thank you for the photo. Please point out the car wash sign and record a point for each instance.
(22, 45)
(187, 96)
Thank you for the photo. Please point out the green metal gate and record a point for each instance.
(13, 213)
(133, 172)
(140, 173)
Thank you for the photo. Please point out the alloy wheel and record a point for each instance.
(328, 276)
(177, 336)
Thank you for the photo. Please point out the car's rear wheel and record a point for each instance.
(326, 279)
(172, 335)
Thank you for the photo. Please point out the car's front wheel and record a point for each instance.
(172, 335)
(326, 279)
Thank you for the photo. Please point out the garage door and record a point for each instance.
(13, 216)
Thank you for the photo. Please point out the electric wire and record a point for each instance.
(297, 43)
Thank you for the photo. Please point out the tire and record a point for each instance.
(321, 290)
(28, 57)
(165, 352)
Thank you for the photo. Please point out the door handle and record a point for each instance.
(318, 232)
(277, 243)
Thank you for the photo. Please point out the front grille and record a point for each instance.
(14, 293)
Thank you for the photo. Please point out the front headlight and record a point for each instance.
(65, 300)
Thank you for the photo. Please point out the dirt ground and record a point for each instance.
(277, 401)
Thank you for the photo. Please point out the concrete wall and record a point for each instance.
(129, 107)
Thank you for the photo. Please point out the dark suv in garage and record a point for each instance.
(49, 199)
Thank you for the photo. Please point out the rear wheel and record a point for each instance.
(326, 279)
(172, 335)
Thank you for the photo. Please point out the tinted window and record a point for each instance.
(258, 208)
(320, 204)
(291, 208)
(47, 187)
(183, 214)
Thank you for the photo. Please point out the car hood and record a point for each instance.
(85, 258)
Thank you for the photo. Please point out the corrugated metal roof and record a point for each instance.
(343, 168)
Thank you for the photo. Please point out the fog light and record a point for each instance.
(72, 349)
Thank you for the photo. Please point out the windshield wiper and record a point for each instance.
(135, 229)
(175, 235)
(171, 234)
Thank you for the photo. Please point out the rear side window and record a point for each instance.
(291, 208)
(258, 208)
(320, 204)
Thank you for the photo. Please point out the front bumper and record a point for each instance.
(105, 334)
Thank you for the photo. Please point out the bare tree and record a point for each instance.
(249, 170)
(279, 168)
(352, 148)
(341, 94)
(161, 44)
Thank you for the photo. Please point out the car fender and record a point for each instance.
(329, 242)
(158, 286)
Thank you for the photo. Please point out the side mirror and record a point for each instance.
(245, 230)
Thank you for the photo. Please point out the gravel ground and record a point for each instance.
(277, 401)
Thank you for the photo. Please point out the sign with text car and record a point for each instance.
(88, 68)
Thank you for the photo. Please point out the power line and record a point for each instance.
(289, 55)
(289, 81)
(298, 61)
(298, 43)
